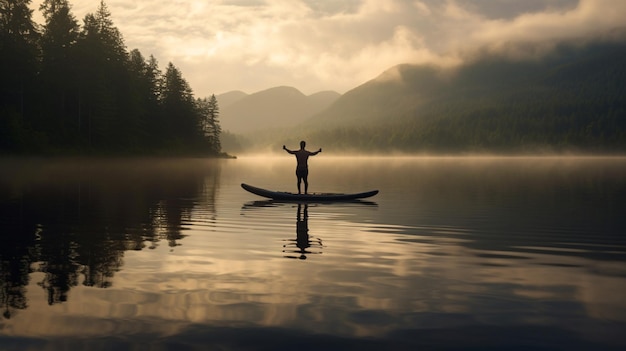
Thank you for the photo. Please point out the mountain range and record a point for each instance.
(274, 108)
(573, 99)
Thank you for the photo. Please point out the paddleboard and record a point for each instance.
(287, 196)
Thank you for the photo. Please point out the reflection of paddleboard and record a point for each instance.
(285, 196)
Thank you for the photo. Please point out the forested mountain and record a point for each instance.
(573, 99)
(279, 107)
(67, 88)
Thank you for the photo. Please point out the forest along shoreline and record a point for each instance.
(72, 90)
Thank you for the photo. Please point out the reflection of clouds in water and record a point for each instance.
(386, 270)
(440, 292)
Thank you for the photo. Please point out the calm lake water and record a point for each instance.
(453, 253)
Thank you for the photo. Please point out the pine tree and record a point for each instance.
(214, 129)
(209, 112)
(178, 104)
(18, 71)
(104, 80)
(18, 61)
(58, 72)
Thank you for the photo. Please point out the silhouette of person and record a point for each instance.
(302, 169)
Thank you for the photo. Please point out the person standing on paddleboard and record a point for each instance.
(302, 170)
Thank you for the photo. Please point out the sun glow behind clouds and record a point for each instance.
(311, 45)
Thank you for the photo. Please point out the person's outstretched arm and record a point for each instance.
(289, 151)
(316, 152)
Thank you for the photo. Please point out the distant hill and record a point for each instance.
(229, 98)
(573, 99)
(280, 107)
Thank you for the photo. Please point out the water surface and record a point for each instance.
(454, 253)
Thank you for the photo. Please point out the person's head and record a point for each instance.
(302, 144)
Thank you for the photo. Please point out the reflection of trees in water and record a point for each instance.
(14, 269)
(57, 254)
(16, 254)
(13, 279)
(74, 225)
(168, 219)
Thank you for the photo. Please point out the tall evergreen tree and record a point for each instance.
(103, 79)
(138, 100)
(178, 104)
(18, 44)
(209, 113)
(155, 76)
(58, 71)
(18, 69)
(144, 113)
(155, 120)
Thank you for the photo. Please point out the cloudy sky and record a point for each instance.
(314, 45)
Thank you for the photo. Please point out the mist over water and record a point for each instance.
(454, 252)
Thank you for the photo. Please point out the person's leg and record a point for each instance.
(299, 182)
(299, 176)
(305, 177)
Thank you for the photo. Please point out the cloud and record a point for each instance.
(590, 17)
(317, 45)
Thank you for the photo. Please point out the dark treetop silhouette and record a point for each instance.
(302, 169)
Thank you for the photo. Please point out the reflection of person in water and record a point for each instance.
(303, 241)
(302, 169)
(302, 231)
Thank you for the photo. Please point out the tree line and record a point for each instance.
(74, 89)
